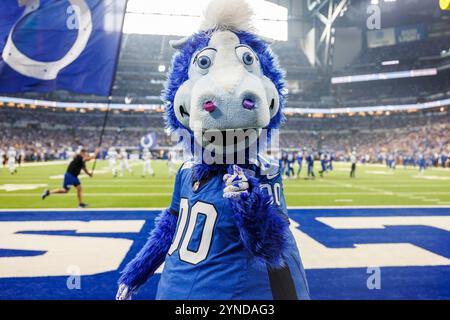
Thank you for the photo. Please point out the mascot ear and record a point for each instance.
(177, 44)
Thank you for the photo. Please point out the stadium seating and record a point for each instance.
(45, 133)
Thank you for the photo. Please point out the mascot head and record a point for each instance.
(224, 77)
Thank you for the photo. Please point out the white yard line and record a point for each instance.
(43, 164)
(369, 207)
(412, 194)
(381, 191)
(290, 208)
(77, 209)
(118, 194)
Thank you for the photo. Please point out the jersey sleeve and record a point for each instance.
(273, 185)
(176, 197)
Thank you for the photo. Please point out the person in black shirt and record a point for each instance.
(71, 176)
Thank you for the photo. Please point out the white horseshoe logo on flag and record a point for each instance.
(49, 70)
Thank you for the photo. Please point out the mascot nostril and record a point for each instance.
(209, 106)
(226, 233)
(248, 104)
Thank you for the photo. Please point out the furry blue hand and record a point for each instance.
(263, 228)
(236, 184)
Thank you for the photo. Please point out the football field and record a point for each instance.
(375, 185)
(395, 248)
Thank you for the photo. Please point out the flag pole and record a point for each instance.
(105, 120)
(108, 108)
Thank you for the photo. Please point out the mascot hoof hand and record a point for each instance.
(236, 184)
(123, 293)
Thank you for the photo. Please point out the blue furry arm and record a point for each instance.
(152, 254)
(263, 227)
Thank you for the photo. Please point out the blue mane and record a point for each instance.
(178, 73)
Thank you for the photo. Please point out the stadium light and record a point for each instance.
(390, 62)
(161, 68)
(182, 18)
(385, 76)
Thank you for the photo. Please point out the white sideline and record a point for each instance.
(43, 163)
(289, 208)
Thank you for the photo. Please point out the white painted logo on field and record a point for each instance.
(317, 256)
(18, 187)
(92, 255)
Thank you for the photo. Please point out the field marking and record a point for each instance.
(316, 255)
(410, 195)
(432, 178)
(118, 194)
(17, 187)
(379, 191)
(98, 171)
(379, 172)
(365, 193)
(42, 164)
(144, 209)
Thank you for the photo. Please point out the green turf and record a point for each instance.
(374, 185)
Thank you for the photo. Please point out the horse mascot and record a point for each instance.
(226, 233)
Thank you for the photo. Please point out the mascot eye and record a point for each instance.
(247, 58)
(204, 62)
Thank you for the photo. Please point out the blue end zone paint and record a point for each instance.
(397, 282)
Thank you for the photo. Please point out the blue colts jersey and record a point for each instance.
(207, 259)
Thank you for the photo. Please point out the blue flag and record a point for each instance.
(49, 45)
(148, 141)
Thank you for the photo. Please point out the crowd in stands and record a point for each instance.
(43, 134)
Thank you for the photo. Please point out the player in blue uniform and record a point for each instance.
(310, 162)
(300, 156)
(290, 165)
(323, 163)
(422, 163)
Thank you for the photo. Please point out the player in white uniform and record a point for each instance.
(147, 157)
(171, 163)
(124, 165)
(70, 154)
(112, 157)
(12, 160)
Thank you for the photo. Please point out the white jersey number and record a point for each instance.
(185, 215)
(274, 191)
